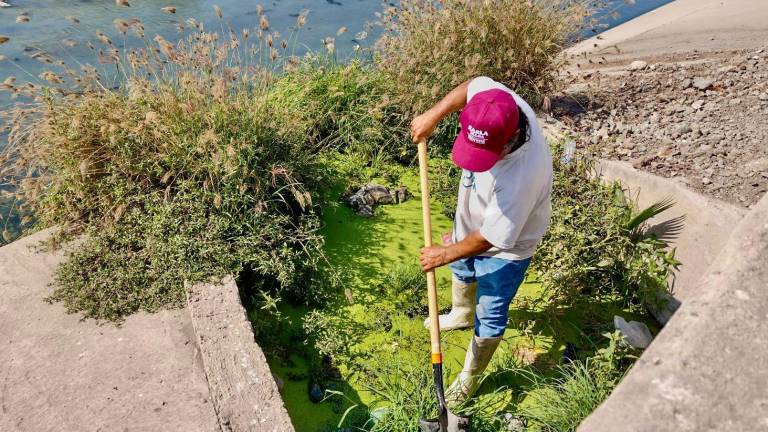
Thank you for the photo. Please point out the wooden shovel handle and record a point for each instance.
(434, 321)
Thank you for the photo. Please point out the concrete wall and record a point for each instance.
(696, 226)
(707, 369)
(59, 372)
(682, 26)
(245, 395)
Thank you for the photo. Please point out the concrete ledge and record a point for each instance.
(707, 368)
(59, 372)
(244, 393)
(697, 226)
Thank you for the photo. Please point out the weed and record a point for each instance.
(429, 47)
(593, 247)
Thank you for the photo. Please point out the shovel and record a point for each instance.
(445, 421)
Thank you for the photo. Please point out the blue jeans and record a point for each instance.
(497, 283)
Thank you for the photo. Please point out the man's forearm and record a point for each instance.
(473, 244)
(455, 100)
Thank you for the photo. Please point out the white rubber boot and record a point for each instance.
(478, 356)
(462, 314)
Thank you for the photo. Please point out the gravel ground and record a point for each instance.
(700, 118)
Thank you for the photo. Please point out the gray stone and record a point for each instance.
(683, 129)
(637, 65)
(316, 393)
(515, 423)
(702, 83)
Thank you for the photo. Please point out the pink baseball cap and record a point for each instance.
(488, 122)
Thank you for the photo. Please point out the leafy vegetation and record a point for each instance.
(596, 245)
(430, 46)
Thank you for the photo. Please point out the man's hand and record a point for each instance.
(422, 127)
(433, 257)
(436, 256)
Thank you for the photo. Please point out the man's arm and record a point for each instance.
(423, 125)
(436, 256)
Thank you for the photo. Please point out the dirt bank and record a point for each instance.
(679, 92)
(696, 117)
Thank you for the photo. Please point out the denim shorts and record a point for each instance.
(497, 283)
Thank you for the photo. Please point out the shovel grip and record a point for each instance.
(434, 322)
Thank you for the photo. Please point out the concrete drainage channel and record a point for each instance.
(707, 368)
(710, 351)
(244, 393)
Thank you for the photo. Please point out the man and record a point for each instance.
(503, 212)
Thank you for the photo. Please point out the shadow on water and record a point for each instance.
(308, 380)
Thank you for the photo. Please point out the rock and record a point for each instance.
(637, 65)
(643, 161)
(726, 69)
(697, 105)
(683, 129)
(757, 165)
(363, 200)
(570, 352)
(686, 83)
(378, 413)
(702, 83)
(635, 333)
(316, 393)
(706, 181)
(515, 423)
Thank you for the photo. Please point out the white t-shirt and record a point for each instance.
(510, 203)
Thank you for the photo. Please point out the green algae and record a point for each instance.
(365, 251)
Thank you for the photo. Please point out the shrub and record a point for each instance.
(430, 46)
(178, 177)
(560, 404)
(593, 248)
(344, 106)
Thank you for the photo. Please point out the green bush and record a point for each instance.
(173, 180)
(344, 106)
(593, 248)
(430, 46)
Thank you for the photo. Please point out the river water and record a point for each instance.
(48, 29)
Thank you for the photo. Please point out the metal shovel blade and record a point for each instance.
(446, 420)
(453, 423)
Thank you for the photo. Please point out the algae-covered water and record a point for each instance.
(365, 251)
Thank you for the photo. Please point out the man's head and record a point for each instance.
(488, 122)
